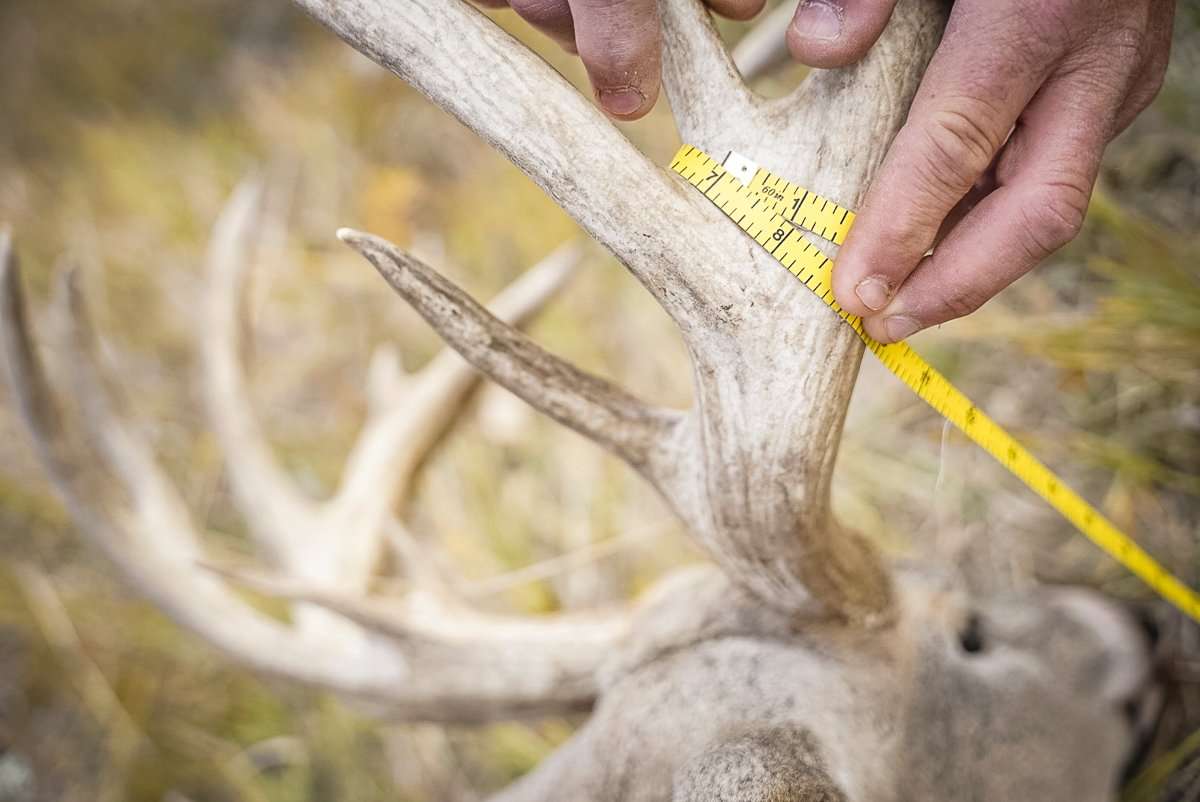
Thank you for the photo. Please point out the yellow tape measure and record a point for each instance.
(775, 212)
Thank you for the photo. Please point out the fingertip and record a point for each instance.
(873, 293)
(858, 287)
(889, 329)
(873, 326)
(626, 102)
(815, 35)
(864, 297)
(836, 33)
(844, 294)
(620, 43)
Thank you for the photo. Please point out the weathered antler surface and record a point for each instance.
(803, 669)
(749, 469)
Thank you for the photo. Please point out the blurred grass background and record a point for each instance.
(126, 125)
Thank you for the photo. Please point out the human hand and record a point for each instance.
(619, 42)
(1000, 152)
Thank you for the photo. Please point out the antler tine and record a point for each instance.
(704, 86)
(764, 47)
(641, 435)
(279, 517)
(396, 440)
(436, 393)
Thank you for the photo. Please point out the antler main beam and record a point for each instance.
(773, 367)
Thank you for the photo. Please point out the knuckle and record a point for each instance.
(620, 13)
(1048, 28)
(1057, 22)
(958, 147)
(961, 303)
(1055, 216)
(1127, 42)
(1114, 60)
(1151, 83)
(964, 134)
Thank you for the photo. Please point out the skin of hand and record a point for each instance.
(999, 154)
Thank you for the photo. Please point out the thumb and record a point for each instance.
(835, 33)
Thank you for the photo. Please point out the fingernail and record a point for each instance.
(898, 327)
(874, 293)
(621, 102)
(819, 20)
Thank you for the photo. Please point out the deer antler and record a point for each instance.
(426, 655)
(639, 434)
(751, 463)
(747, 469)
(336, 542)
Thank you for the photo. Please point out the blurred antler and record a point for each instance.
(425, 656)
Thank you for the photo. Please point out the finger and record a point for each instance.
(737, 9)
(834, 33)
(552, 17)
(964, 110)
(619, 42)
(1046, 177)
